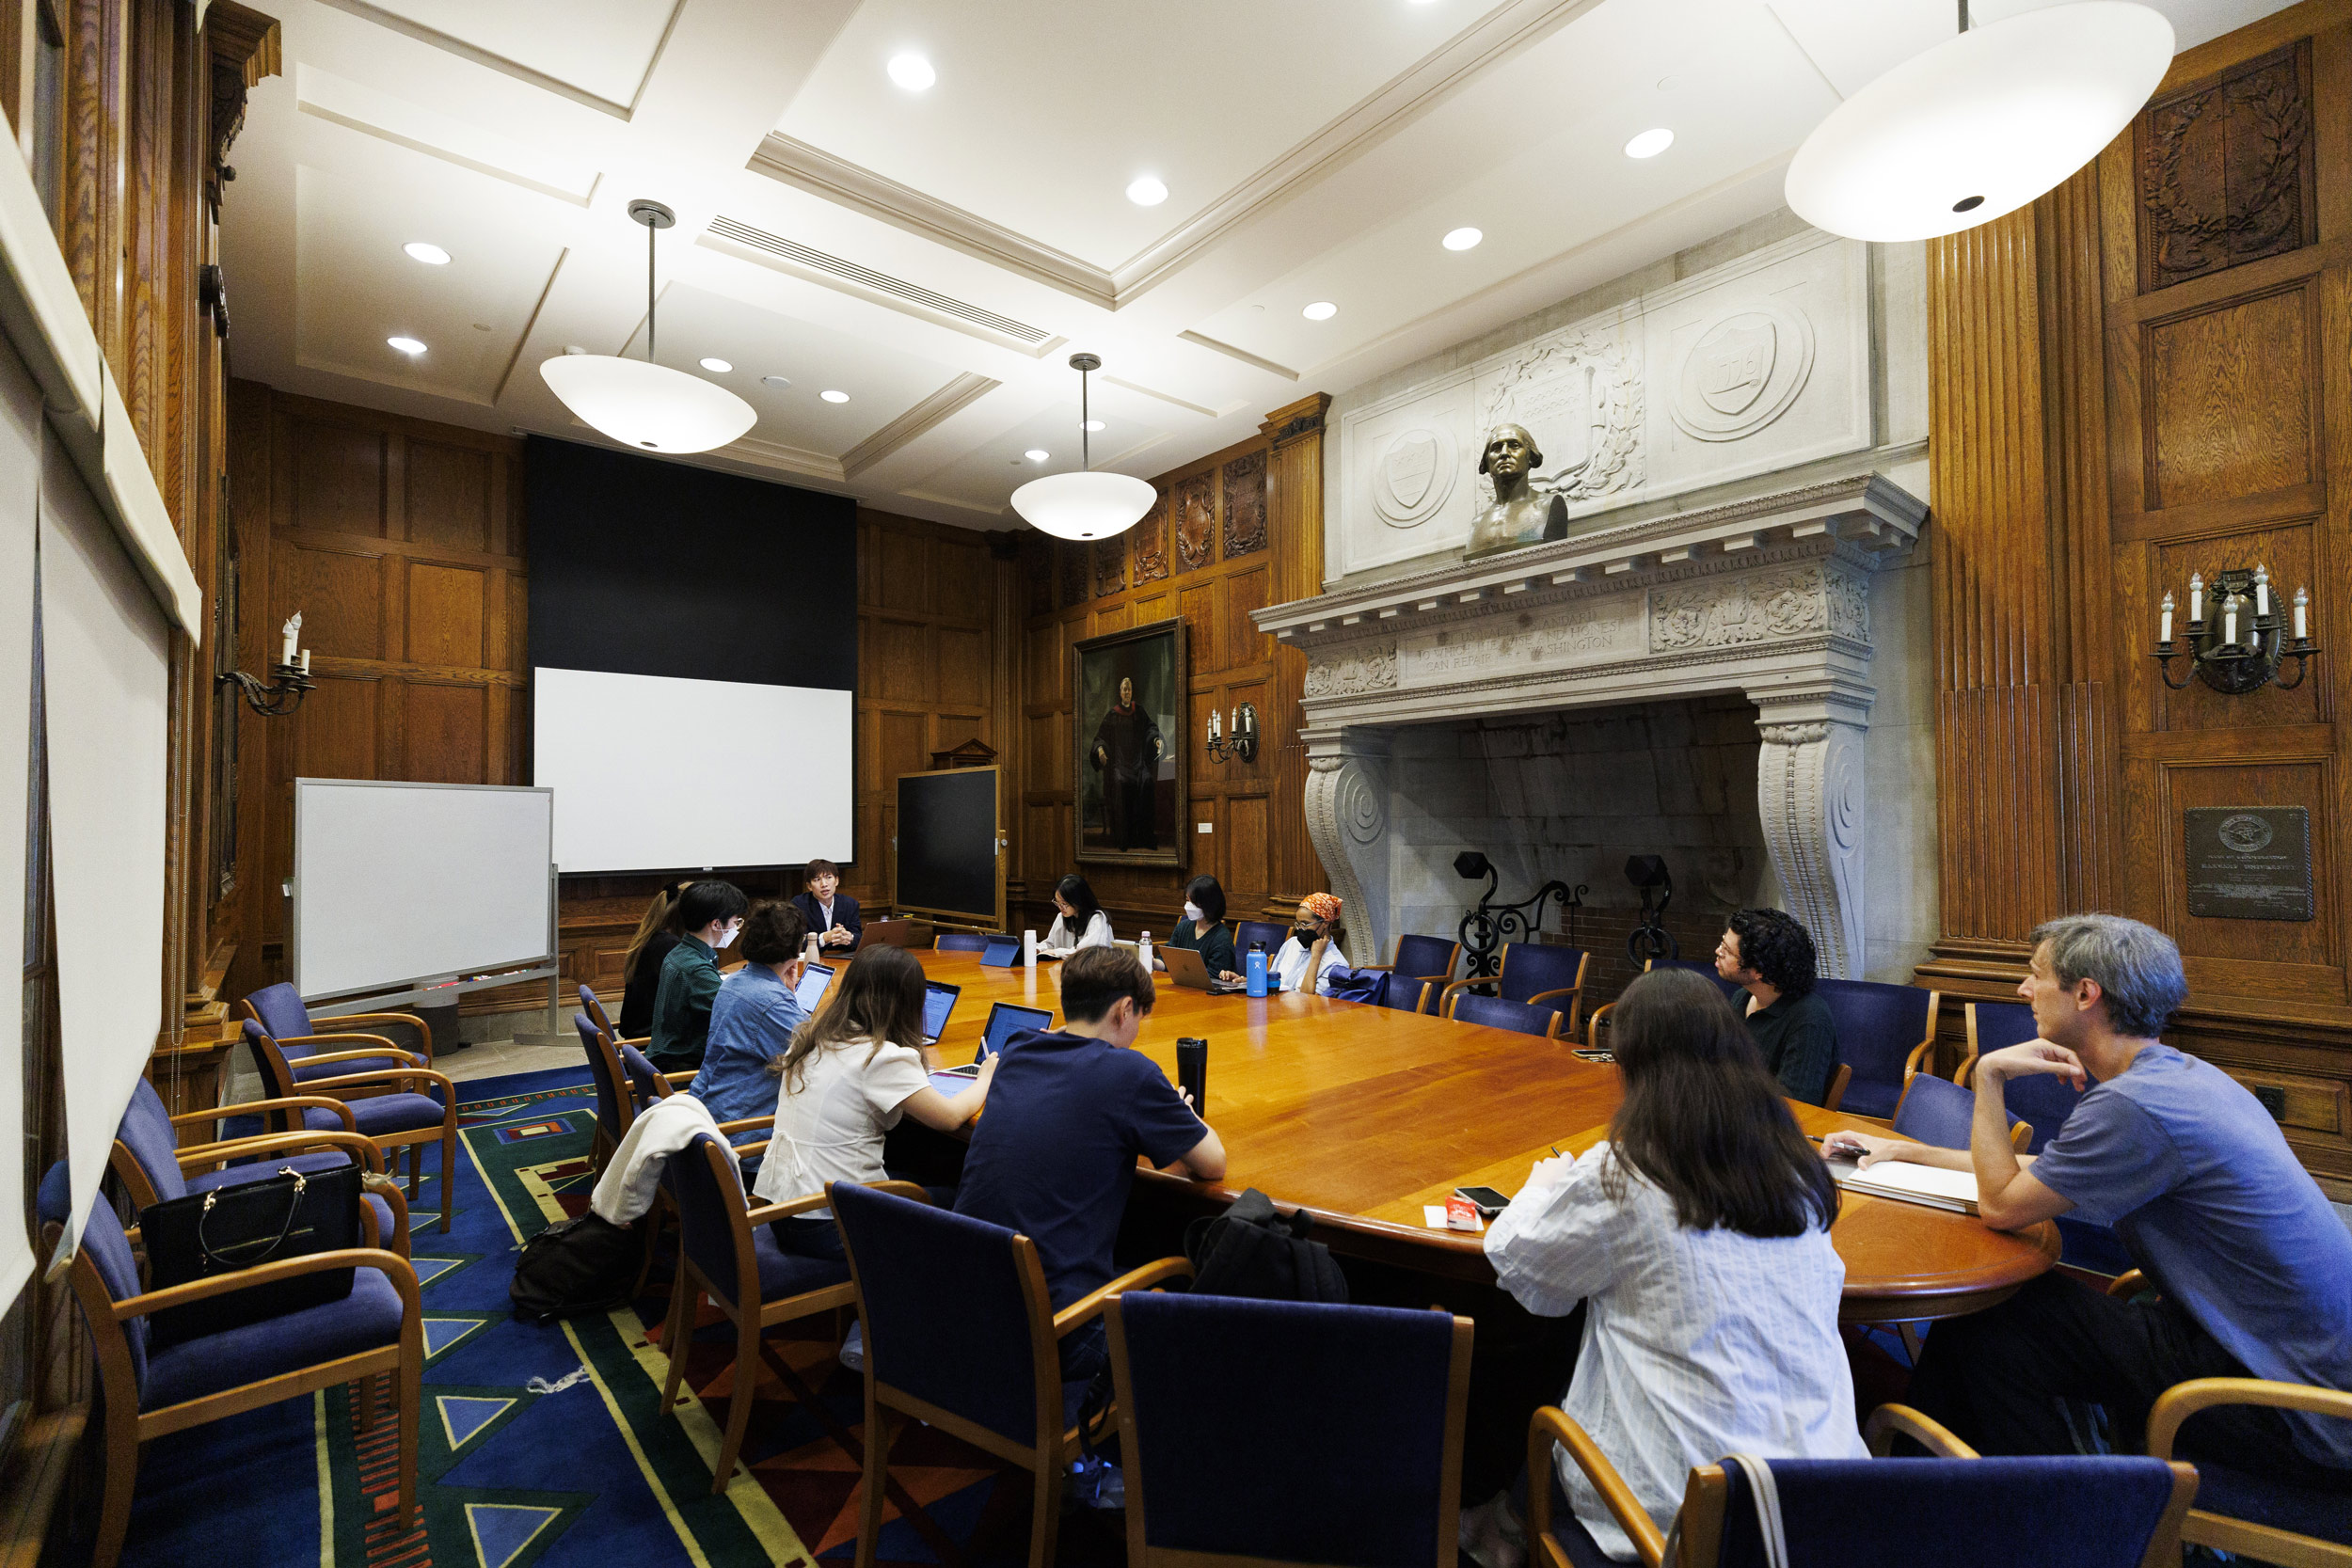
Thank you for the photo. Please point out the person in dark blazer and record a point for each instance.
(830, 912)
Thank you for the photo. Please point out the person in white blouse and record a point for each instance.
(1697, 1238)
(1312, 948)
(1080, 922)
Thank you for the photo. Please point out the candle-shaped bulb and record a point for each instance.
(306, 662)
(2229, 620)
(2261, 589)
(2302, 603)
(2164, 619)
(2196, 598)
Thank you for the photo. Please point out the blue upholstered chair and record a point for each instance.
(592, 1005)
(646, 1081)
(1247, 932)
(2258, 1516)
(960, 941)
(397, 1108)
(961, 1334)
(147, 1391)
(1430, 958)
(1542, 972)
(1954, 1512)
(727, 1252)
(1733, 993)
(2043, 1098)
(278, 1009)
(1495, 1013)
(1288, 1432)
(1407, 994)
(1943, 1114)
(153, 1168)
(1884, 1033)
(615, 1107)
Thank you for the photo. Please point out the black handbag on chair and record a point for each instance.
(227, 1229)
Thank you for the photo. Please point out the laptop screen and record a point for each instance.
(1008, 1019)
(811, 990)
(1001, 951)
(938, 1001)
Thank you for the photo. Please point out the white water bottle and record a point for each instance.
(1143, 951)
(1029, 948)
(809, 954)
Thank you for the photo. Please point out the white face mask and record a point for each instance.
(726, 938)
(1192, 912)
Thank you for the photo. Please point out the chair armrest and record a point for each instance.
(294, 1101)
(424, 1030)
(369, 1157)
(791, 1206)
(377, 1045)
(389, 1049)
(1543, 996)
(1838, 1083)
(391, 1264)
(389, 1075)
(640, 1041)
(2183, 1399)
(757, 1146)
(2021, 1138)
(1887, 1419)
(1918, 1056)
(1362, 968)
(2127, 1285)
(1592, 1024)
(1457, 985)
(746, 1124)
(1089, 1306)
(1550, 1425)
(1962, 1073)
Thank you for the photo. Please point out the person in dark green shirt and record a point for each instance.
(1202, 929)
(710, 915)
(1769, 955)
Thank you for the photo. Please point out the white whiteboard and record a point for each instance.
(395, 882)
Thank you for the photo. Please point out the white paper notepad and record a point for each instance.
(1906, 1183)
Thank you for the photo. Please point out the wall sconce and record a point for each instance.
(1242, 742)
(2241, 646)
(290, 677)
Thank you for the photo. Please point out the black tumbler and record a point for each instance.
(1192, 1072)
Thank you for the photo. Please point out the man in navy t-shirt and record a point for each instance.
(2252, 1267)
(1070, 1109)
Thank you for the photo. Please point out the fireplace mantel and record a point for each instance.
(1768, 597)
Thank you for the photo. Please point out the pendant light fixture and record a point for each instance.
(638, 403)
(1980, 124)
(1084, 505)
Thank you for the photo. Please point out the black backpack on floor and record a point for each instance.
(575, 1266)
(1254, 1249)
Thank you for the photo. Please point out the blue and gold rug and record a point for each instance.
(546, 1445)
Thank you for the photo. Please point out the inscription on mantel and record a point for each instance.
(2249, 863)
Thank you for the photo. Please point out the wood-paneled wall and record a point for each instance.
(2141, 376)
(1235, 532)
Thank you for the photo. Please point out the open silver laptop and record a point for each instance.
(1187, 968)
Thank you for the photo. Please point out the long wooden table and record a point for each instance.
(1364, 1115)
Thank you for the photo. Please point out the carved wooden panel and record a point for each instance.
(1111, 566)
(903, 745)
(445, 614)
(337, 478)
(962, 672)
(899, 572)
(901, 665)
(1076, 571)
(1193, 506)
(1245, 504)
(1150, 546)
(445, 732)
(1036, 568)
(1244, 592)
(2227, 169)
(449, 496)
(2232, 399)
(335, 731)
(341, 595)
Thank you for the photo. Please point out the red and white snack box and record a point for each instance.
(1462, 1214)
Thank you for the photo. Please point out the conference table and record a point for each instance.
(1364, 1116)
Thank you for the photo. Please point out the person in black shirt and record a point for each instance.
(641, 970)
(1769, 955)
(1202, 929)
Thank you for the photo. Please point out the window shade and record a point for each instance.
(20, 523)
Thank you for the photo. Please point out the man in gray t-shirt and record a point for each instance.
(2252, 1267)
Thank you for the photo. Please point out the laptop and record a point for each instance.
(1185, 968)
(811, 990)
(1004, 1019)
(1002, 951)
(939, 999)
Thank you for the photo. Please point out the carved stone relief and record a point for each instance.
(1193, 506)
(1111, 566)
(1245, 504)
(1728, 612)
(1579, 633)
(1747, 365)
(2226, 171)
(1413, 474)
(1809, 791)
(1333, 785)
(1150, 546)
(1351, 671)
(1580, 394)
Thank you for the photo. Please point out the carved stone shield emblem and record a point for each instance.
(1734, 363)
(1413, 476)
(1744, 369)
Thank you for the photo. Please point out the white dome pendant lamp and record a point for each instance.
(1980, 124)
(638, 403)
(1084, 505)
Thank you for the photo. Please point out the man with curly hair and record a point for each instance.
(1769, 955)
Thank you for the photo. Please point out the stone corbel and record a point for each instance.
(1347, 811)
(1809, 790)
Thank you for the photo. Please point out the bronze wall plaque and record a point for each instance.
(2249, 863)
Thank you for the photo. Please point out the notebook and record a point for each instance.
(811, 990)
(939, 999)
(1931, 1185)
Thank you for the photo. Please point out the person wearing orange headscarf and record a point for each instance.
(1312, 948)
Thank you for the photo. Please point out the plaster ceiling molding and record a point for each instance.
(323, 95)
(599, 54)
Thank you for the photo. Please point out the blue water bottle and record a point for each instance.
(1254, 967)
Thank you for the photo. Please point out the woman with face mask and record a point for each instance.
(1313, 950)
(1202, 929)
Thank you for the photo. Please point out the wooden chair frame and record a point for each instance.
(1924, 1051)
(593, 1005)
(1575, 994)
(128, 1428)
(424, 1031)
(193, 1158)
(1048, 1456)
(1450, 1001)
(395, 1080)
(1454, 962)
(1141, 1554)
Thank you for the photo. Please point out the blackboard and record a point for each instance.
(948, 860)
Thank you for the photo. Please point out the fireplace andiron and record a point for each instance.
(1485, 929)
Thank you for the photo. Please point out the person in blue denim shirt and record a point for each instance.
(752, 1018)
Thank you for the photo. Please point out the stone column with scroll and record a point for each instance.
(1348, 820)
(1809, 791)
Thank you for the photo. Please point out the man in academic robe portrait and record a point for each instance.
(1126, 751)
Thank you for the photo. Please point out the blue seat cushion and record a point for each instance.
(2258, 1500)
(304, 1070)
(783, 1274)
(367, 1319)
(1864, 1098)
(395, 1113)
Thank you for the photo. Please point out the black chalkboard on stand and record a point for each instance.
(951, 847)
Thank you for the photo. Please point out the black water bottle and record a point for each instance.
(1192, 1072)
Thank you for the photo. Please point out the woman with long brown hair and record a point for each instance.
(1697, 1238)
(640, 967)
(848, 1075)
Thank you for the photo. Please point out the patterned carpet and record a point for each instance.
(547, 1445)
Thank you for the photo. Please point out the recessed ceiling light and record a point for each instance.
(716, 367)
(1036, 455)
(1146, 191)
(778, 382)
(1463, 239)
(835, 397)
(406, 345)
(1092, 424)
(1649, 144)
(431, 255)
(1320, 311)
(913, 73)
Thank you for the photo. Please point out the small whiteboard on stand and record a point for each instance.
(420, 887)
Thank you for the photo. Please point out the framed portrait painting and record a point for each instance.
(1130, 733)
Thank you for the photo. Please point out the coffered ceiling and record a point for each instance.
(936, 255)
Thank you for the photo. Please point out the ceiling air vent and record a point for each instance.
(790, 256)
